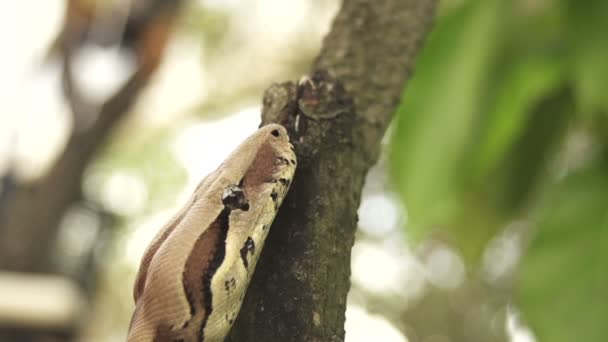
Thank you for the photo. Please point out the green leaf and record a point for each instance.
(527, 81)
(436, 117)
(492, 201)
(588, 33)
(149, 156)
(511, 181)
(563, 280)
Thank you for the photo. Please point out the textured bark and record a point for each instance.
(336, 120)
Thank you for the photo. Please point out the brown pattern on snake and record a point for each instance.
(164, 334)
(248, 247)
(262, 159)
(140, 280)
(262, 165)
(206, 257)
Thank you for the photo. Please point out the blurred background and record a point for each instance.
(485, 219)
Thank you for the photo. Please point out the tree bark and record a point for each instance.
(336, 120)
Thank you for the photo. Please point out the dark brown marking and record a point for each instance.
(274, 195)
(281, 161)
(165, 333)
(262, 167)
(233, 198)
(248, 247)
(284, 181)
(293, 161)
(229, 319)
(230, 285)
(205, 258)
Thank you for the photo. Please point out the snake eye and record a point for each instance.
(275, 133)
(234, 198)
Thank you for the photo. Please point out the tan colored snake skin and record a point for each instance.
(193, 276)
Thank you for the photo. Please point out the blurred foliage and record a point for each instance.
(490, 131)
(142, 156)
(564, 277)
(209, 25)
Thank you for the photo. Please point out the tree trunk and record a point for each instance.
(336, 120)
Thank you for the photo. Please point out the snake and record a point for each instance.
(194, 274)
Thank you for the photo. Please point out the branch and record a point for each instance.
(29, 220)
(336, 119)
(32, 213)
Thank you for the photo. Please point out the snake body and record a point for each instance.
(194, 274)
